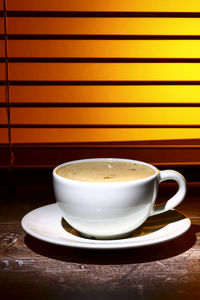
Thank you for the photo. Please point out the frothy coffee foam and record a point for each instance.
(101, 171)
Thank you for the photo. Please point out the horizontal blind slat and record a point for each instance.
(104, 5)
(3, 137)
(3, 116)
(90, 48)
(2, 48)
(67, 135)
(121, 116)
(104, 94)
(2, 71)
(1, 25)
(1, 5)
(104, 71)
(115, 26)
(2, 94)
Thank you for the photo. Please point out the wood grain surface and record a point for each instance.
(32, 269)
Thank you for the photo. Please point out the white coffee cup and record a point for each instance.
(112, 210)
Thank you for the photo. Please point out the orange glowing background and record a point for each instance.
(27, 64)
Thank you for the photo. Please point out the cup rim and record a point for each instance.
(127, 182)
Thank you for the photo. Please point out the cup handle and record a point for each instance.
(177, 198)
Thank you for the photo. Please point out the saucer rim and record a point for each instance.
(104, 244)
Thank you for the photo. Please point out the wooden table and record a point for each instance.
(32, 269)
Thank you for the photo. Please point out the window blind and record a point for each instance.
(99, 78)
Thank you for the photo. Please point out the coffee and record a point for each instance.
(105, 171)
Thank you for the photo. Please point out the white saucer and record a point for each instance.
(46, 223)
